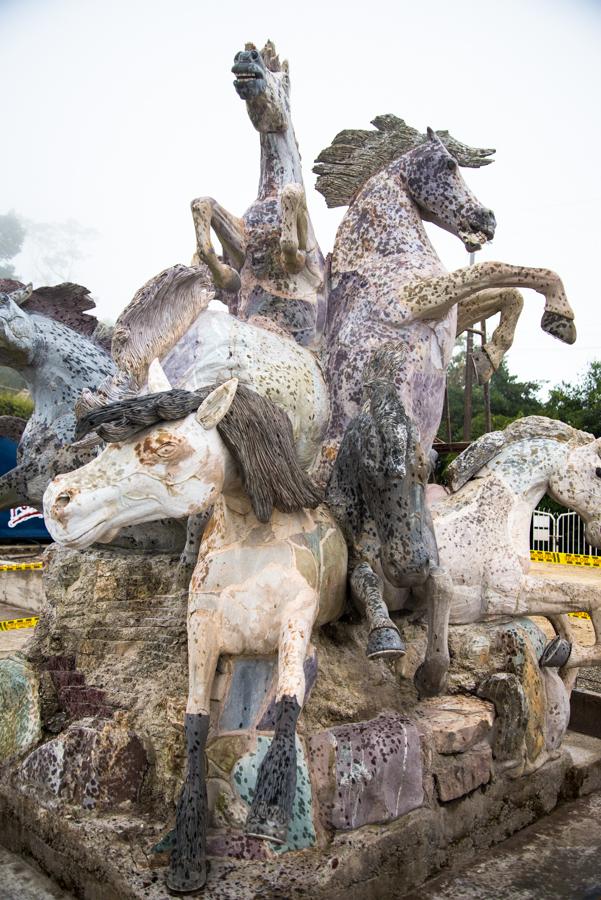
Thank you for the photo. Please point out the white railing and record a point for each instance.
(559, 533)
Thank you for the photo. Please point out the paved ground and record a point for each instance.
(21, 881)
(13, 640)
(558, 858)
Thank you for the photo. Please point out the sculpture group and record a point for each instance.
(294, 432)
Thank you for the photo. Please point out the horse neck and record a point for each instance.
(383, 221)
(526, 466)
(280, 162)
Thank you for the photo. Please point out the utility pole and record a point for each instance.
(486, 387)
(469, 379)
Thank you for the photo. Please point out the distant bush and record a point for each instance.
(13, 404)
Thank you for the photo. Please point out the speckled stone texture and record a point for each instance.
(19, 705)
(367, 772)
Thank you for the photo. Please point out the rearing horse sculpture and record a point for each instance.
(273, 266)
(387, 282)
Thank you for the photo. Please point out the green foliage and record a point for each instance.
(12, 404)
(579, 404)
(12, 235)
(509, 399)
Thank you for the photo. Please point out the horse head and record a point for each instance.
(264, 83)
(17, 331)
(431, 174)
(577, 485)
(171, 453)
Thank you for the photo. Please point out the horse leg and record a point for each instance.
(434, 297)
(13, 486)
(207, 214)
(509, 303)
(293, 239)
(272, 802)
(188, 869)
(367, 591)
(431, 676)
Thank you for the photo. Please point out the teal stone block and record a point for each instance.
(301, 831)
(19, 707)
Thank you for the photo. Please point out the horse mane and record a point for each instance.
(355, 155)
(66, 303)
(485, 448)
(255, 430)
(270, 56)
(161, 312)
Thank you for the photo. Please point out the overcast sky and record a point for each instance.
(116, 113)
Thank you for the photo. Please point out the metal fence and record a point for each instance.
(559, 533)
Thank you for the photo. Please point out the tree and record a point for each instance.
(579, 404)
(12, 235)
(510, 398)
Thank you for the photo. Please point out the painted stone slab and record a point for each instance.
(251, 682)
(19, 707)
(367, 772)
(87, 765)
(267, 722)
(301, 831)
(455, 723)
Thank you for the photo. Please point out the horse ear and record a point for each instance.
(432, 136)
(157, 380)
(214, 407)
(22, 294)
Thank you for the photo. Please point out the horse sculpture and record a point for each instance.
(47, 337)
(273, 266)
(387, 283)
(270, 564)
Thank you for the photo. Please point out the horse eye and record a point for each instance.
(598, 472)
(451, 165)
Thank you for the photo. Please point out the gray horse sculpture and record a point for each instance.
(376, 493)
(272, 266)
(48, 338)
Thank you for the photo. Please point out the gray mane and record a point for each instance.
(257, 433)
(485, 448)
(355, 155)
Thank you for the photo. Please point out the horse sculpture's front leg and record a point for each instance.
(188, 868)
(431, 677)
(434, 297)
(368, 594)
(207, 214)
(506, 301)
(271, 807)
(295, 227)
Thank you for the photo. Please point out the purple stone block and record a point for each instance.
(238, 846)
(367, 772)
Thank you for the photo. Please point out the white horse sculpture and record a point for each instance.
(269, 567)
(483, 528)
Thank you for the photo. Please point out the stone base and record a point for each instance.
(109, 857)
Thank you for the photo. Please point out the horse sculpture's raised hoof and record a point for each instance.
(558, 326)
(271, 807)
(385, 643)
(556, 653)
(188, 866)
(483, 366)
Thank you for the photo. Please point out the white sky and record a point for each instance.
(117, 113)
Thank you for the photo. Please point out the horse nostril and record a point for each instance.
(62, 500)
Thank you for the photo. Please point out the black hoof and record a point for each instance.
(186, 881)
(385, 643)
(556, 653)
(266, 829)
(559, 327)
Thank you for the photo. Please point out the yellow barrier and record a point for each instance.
(19, 567)
(566, 559)
(13, 624)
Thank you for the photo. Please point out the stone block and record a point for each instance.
(459, 774)
(19, 707)
(455, 723)
(367, 772)
(89, 765)
(251, 682)
(301, 831)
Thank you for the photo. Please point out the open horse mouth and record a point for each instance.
(250, 78)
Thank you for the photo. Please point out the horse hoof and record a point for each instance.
(430, 679)
(228, 280)
(559, 327)
(267, 830)
(482, 365)
(183, 880)
(556, 653)
(385, 643)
